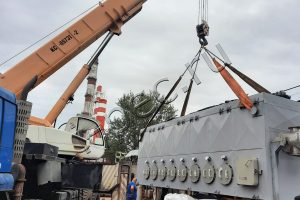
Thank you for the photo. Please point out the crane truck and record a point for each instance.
(58, 163)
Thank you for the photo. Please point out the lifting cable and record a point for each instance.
(212, 56)
(202, 11)
(44, 37)
(291, 88)
(195, 60)
(202, 31)
(244, 77)
(187, 97)
(199, 10)
(202, 27)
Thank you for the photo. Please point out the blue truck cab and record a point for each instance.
(8, 117)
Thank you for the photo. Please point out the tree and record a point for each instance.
(137, 109)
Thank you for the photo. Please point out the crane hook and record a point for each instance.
(202, 31)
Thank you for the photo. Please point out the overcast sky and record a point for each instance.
(261, 38)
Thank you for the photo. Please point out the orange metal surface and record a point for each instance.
(38, 121)
(63, 100)
(233, 84)
(49, 58)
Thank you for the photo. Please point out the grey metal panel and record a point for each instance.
(289, 176)
(154, 145)
(234, 133)
(229, 131)
(281, 114)
(143, 147)
(48, 171)
(166, 141)
(233, 189)
(24, 111)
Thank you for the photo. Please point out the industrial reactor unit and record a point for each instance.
(226, 150)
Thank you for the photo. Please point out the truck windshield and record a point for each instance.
(85, 128)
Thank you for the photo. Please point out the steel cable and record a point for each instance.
(25, 49)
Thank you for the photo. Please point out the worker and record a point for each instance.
(132, 189)
(202, 31)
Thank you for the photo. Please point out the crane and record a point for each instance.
(19, 80)
(41, 64)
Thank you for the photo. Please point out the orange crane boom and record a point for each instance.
(68, 93)
(63, 100)
(108, 16)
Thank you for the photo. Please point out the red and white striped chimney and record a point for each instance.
(100, 107)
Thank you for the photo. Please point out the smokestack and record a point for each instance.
(90, 91)
(100, 107)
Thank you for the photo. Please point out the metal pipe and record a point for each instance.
(18, 192)
(100, 49)
(79, 78)
(293, 138)
(63, 100)
(290, 141)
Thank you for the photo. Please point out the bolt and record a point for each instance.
(208, 158)
(223, 157)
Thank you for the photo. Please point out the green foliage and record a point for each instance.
(137, 110)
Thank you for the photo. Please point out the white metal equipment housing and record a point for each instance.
(75, 140)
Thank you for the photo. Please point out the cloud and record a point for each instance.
(260, 37)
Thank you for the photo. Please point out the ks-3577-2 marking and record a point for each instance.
(64, 41)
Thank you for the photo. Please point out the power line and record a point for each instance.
(291, 88)
(71, 20)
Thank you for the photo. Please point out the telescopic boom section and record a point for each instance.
(108, 16)
(63, 100)
(69, 92)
